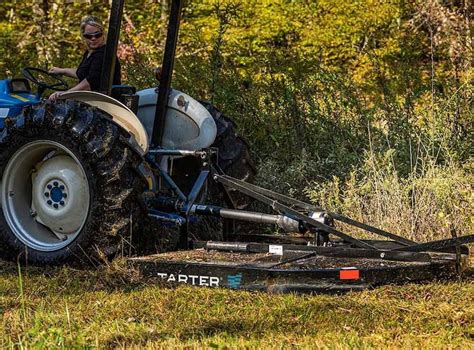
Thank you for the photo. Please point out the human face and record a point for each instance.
(93, 42)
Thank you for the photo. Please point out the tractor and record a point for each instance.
(79, 166)
(83, 174)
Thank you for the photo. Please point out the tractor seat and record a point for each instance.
(127, 95)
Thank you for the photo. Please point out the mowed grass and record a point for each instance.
(109, 307)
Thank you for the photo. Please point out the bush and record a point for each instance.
(432, 202)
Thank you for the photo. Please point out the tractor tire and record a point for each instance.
(70, 189)
(234, 160)
(234, 156)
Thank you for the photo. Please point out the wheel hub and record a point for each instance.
(55, 194)
(45, 195)
(53, 182)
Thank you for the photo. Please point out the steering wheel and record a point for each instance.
(44, 80)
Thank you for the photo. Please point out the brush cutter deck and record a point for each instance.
(295, 268)
(311, 263)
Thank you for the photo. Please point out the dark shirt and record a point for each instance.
(90, 68)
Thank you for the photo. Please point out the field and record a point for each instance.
(109, 307)
(364, 108)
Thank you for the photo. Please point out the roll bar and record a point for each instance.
(115, 20)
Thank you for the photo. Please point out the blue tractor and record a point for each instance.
(79, 173)
(15, 94)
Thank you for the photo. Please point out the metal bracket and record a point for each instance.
(248, 190)
(309, 207)
(439, 245)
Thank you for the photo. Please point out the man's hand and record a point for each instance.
(56, 70)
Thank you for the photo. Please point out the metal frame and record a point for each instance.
(166, 72)
(417, 261)
(293, 214)
(108, 67)
(110, 57)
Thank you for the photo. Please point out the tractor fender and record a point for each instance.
(120, 113)
(188, 124)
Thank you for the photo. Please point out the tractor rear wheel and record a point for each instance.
(234, 160)
(234, 153)
(69, 185)
(234, 156)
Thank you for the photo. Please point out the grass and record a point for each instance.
(109, 307)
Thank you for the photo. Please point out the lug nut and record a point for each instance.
(49, 202)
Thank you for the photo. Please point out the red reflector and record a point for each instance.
(349, 274)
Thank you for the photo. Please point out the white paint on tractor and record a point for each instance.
(120, 113)
(188, 124)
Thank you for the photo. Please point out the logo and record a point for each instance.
(234, 280)
(195, 280)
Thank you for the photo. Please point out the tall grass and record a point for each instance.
(432, 202)
(405, 168)
(107, 308)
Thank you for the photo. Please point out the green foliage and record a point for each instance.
(315, 86)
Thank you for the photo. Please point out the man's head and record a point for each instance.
(92, 31)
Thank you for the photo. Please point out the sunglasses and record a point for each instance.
(92, 35)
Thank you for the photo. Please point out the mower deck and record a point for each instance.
(283, 268)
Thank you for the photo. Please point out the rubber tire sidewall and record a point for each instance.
(13, 247)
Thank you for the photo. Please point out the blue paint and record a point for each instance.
(13, 104)
(234, 280)
(56, 194)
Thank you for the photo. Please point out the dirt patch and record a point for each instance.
(299, 261)
(325, 262)
(202, 255)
